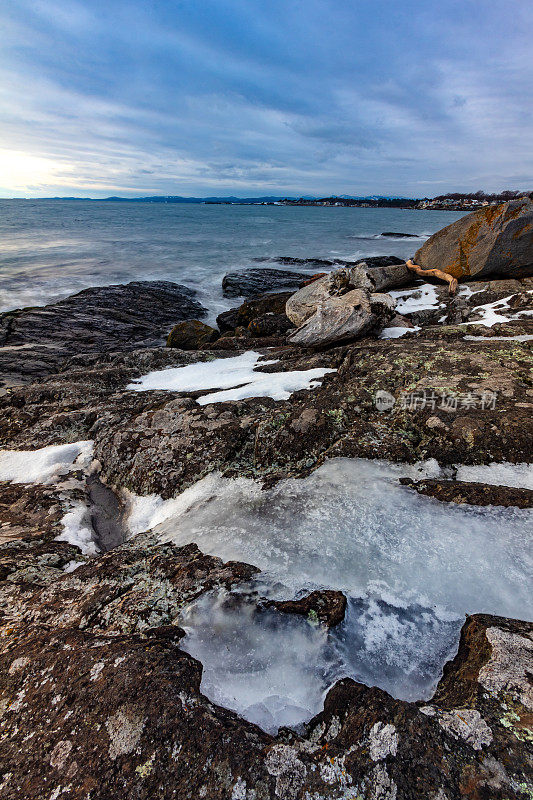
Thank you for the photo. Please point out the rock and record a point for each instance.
(263, 304)
(256, 307)
(477, 494)
(304, 303)
(270, 325)
(313, 278)
(93, 663)
(494, 240)
(126, 317)
(256, 280)
(344, 318)
(191, 335)
(325, 606)
(228, 320)
(392, 235)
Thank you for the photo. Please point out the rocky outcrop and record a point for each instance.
(304, 303)
(395, 235)
(92, 662)
(257, 280)
(327, 607)
(495, 241)
(477, 494)
(191, 335)
(36, 341)
(270, 325)
(344, 318)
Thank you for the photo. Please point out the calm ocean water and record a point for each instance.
(50, 249)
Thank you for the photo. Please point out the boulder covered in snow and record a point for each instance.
(494, 240)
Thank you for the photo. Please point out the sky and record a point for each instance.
(265, 97)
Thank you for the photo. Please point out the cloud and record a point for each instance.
(241, 96)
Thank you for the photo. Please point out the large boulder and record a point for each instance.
(100, 319)
(495, 240)
(304, 303)
(252, 309)
(256, 280)
(344, 318)
(191, 335)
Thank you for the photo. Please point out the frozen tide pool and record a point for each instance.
(411, 567)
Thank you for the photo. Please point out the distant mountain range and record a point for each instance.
(231, 199)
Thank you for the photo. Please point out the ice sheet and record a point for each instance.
(411, 567)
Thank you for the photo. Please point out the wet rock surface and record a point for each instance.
(34, 341)
(326, 606)
(256, 280)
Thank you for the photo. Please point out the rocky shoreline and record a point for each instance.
(97, 696)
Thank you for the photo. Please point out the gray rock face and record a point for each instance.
(344, 318)
(35, 341)
(249, 282)
(495, 240)
(304, 303)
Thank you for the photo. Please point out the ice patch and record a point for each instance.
(236, 375)
(417, 299)
(519, 476)
(526, 337)
(45, 465)
(411, 568)
(396, 331)
(351, 524)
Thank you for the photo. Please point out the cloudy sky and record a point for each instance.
(197, 97)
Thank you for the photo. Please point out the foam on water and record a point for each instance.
(411, 566)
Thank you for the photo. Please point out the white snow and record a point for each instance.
(45, 465)
(417, 299)
(410, 566)
(525, 337)
(396, 331)
(77, 529)
(236, 375)
(490, 312)
(502, 474)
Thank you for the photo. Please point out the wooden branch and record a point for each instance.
(434, 273)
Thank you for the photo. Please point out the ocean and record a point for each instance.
(50, 249)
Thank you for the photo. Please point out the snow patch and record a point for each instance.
(77, 530)
(417, 299)
(396, 331)
(490, 313)
(526, 337)
(236, 375)
(45, 465)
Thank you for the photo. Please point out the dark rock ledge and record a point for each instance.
(97, 700)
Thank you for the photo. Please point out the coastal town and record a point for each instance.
(449, 202)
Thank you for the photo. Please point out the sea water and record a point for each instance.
(52, 248)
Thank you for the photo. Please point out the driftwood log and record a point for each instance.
(433, 273)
